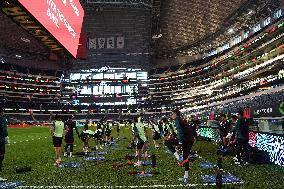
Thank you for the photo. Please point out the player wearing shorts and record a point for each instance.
(185, 136)
(108, 133)
(118, 130)
(57, 130)
(99, 136)
(141, 140)
(156, 134)
(70, 125)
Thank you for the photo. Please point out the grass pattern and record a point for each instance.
(34, 148)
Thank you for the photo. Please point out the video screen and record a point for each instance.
(62, 19)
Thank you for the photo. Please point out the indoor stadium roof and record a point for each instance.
(162, 27)
(197, 26)
(184, 22)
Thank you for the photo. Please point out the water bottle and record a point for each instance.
(23, 169)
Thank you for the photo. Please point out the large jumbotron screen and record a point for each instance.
(108, 82)
(62, 18)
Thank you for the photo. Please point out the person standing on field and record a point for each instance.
(4, 139)
(57, 131)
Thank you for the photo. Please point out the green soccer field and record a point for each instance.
(33, 147)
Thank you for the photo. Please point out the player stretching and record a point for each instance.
(141, 143)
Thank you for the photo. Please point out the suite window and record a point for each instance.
(237, 40)
(277, 13)
(266, 21)
(246, 34)
(256, 27)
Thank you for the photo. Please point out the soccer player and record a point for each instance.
(224, 129)
(108, 133)
(141, 143)
(118, 130)
(99, 136)
(86, 125)
(242, 138)
(69, 135)
(4, 139)
(57, 130)
(156, 134)
(185, 140)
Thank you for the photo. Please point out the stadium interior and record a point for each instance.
(108, 61)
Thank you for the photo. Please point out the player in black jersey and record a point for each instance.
(99, 135)
(108, 133)
(69, 135)
(118, 130)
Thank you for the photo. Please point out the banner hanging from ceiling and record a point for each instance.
(106, 43)
(56, 23)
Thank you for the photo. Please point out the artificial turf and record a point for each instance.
(33, 147)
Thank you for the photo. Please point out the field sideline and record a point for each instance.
(33, 147)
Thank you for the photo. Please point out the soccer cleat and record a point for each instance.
(183, 162)
(137, 164)
(2, 179)
(185, 180)
(237, 163)
(57, 163)
(65, 154)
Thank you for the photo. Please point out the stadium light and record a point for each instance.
(25, 40)
(2, 60)
(157, 36)
(230, 30)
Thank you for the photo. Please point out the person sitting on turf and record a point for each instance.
(69, 135)
(185, 140)
(57, 133)
(4, 139)
(141, 140)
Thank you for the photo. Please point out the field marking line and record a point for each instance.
(142, 186)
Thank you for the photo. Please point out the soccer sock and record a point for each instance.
(176, 155)
(71, 148)
(66, 147)
(185, 174)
